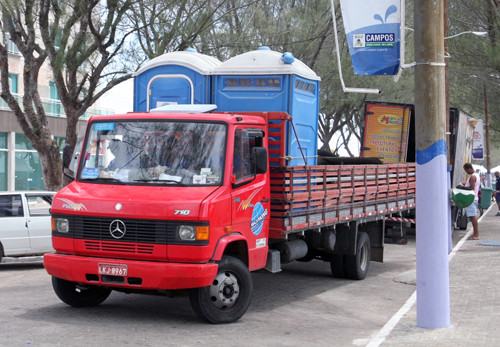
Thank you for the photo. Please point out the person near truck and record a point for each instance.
(473, 182)
(497, 191)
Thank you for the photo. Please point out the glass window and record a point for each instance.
(3, 140)
(38, 205)
(299, 84)
(3, 170)
(23, 143)
(28, 171)
(244, 142)
(11, 206)
(310, 89)
(13, 83)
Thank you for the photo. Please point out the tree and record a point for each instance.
(80, 40)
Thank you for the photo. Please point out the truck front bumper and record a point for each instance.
(140, 274)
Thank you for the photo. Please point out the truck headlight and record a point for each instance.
(187, 232)
(193, 233)
(60, 225)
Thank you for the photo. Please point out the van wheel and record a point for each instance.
(228, 297)
(77, 295)
(356, 266)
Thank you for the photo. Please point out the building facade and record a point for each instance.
(20, 167)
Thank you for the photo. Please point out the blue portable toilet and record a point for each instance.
(267, 81)
(174, 78)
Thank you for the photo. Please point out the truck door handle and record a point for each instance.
(264, 200)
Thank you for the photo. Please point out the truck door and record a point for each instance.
(38, 221)
(14, 230)
(251, 198)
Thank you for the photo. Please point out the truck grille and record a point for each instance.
(137, 230)
(104, 246)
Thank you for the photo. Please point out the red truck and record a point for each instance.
(182, 201)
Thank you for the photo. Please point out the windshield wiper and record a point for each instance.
(109, 179)
(157, 180)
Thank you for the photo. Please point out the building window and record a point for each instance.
(13, 83)
(3, 161)
(55, 104)
(28, 170)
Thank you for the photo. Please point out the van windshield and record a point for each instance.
(154, 152)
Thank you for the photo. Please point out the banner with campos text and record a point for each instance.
(373, 32)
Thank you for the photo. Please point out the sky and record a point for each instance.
(120, 98)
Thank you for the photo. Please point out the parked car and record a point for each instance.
(25, 227)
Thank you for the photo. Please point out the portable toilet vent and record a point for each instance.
(265, 80)
(174, 78)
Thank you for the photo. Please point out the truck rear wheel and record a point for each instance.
(356, 266)
(77, 295)
(228, 298)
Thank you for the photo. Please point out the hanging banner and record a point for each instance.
(386, 131)
(478, 143)
(373, 33)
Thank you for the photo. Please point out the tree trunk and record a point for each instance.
(51, 162)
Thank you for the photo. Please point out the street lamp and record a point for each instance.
(477, 33)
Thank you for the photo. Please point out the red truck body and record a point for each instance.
(136, 235)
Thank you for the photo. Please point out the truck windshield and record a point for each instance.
(154, 152)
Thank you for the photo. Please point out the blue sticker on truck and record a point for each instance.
(104, 126)
(258, 216)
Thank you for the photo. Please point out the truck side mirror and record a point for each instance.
(259, 160)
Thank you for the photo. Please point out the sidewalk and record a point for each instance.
(474, 296)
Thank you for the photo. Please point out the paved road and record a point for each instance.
(302, 305)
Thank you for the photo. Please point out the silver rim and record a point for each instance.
(224, 291)
(363, 257)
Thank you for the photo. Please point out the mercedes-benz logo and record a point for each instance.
(117, 229)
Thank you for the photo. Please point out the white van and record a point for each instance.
(25, 223)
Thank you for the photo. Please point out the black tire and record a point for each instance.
(228, 298)
(77, 295)
(356, 266)
(337, 266)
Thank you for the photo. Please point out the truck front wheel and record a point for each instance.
(77, 295)
(356, 266)
(228, 298)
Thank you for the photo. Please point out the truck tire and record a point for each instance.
(79, 296)
(337, 265)
(228, 298)
(356, 266)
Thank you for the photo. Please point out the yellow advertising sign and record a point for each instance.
(386, 132)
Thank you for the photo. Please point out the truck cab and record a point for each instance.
(158, 201)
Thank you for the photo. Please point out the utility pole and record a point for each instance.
(487, 129)
(432, 197)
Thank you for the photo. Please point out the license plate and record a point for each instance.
(112, 269)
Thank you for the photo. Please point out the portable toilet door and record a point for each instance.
(174, 78)
(169, 89)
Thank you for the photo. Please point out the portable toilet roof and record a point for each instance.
(265, 62)
(201, 63)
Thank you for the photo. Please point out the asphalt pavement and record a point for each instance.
(474, 297)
